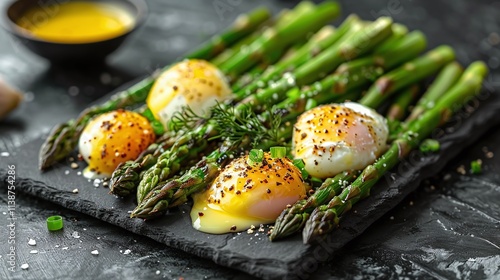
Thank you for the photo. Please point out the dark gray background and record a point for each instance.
(449, 230)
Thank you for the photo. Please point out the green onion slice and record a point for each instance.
(255, 156)
(299, 163)
(278, 152)
(54, 223)
(429, 146)
(476, 166)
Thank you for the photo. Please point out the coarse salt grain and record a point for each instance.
(25, 266)
(32, 242)
(95, 252)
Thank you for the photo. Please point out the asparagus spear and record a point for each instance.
(308, 51)
(292, 219)
(205, 171)
(63, 138)
(408, 74)
(399, 108)
(280, 37)
(124, 178)
(398, 31)
(186, 147)
(313, 46)
(282, 19)
(355, 45)
(355, 74)
(401, 104)
(325, 218)
(444, 81)
(243, 26)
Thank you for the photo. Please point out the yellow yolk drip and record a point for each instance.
(77, 22)
(113, 138)
(244, 195)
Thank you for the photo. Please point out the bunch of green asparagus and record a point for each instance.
(276, 75)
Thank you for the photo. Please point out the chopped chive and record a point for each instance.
(311, 103)
(157, 127)
(148, 115)
(54, 223)
(294, 93)
(476, 166)
(199, 173)
(429, 146)
(278, 152)
(394, 127)
(255, 156)
(299, 163)
(316, 182)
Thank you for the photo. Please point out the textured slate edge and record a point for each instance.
(384, 197)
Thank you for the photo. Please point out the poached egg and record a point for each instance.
(338, 137)
(113, 138)
(246, 194)
(193, 83)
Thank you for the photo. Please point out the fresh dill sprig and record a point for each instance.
(185, 119)
(237, 126)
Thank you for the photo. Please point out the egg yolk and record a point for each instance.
(77, 21)
(191, 83)
(338, 137)
(113, 138)
(244, 195)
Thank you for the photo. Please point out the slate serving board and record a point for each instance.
(253, 253)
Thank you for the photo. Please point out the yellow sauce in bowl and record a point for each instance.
(77, 22)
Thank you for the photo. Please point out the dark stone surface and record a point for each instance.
(428, 239)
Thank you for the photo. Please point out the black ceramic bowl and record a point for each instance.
(69, 52)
